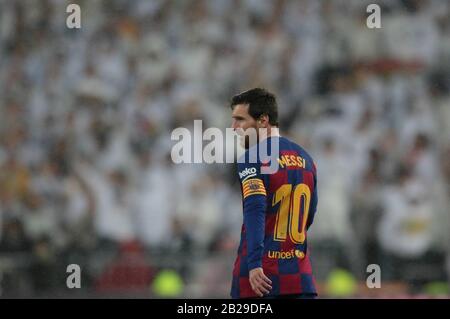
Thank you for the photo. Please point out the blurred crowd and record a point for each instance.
(86, 174)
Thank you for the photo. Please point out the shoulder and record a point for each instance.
(310, 164)
(250, 158)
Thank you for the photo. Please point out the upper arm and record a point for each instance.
(251, 179)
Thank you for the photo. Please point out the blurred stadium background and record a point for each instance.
(86, 117)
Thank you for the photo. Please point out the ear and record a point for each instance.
(263, 120)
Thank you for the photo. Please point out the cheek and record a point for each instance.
(248, 124)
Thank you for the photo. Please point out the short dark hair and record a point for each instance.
(260, 101)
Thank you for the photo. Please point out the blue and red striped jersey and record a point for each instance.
(278, 209)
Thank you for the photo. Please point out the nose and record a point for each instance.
(234, 125)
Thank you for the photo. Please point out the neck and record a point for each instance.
(272, 131)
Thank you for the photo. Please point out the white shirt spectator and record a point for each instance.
(405, 228)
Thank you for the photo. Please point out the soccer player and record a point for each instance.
(273, 259)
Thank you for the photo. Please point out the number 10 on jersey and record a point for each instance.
(288, 215)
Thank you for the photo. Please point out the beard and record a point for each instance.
(247, 142)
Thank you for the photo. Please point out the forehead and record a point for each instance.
(240, 110)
